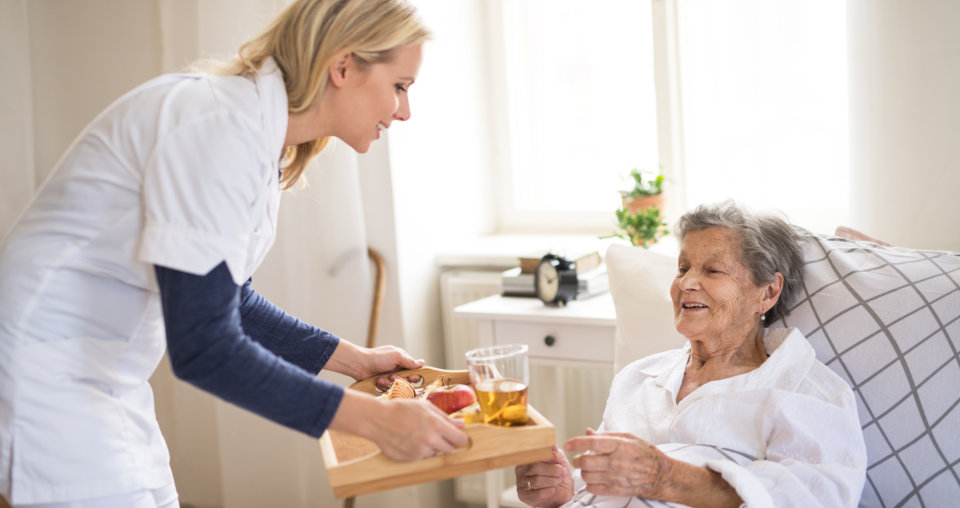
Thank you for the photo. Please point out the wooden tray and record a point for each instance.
(356, 465)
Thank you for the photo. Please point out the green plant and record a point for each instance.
(641, 228)
(643, 188)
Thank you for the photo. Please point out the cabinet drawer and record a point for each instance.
(558, 342)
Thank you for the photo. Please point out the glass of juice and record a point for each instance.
(499, 375)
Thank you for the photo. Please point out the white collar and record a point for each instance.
(273, 94)
(791, 356)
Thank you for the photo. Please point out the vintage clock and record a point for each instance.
(556, 280)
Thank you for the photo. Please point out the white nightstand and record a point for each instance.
(580, 334)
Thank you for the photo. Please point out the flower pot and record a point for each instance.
(638, 204)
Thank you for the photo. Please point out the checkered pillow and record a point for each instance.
(887, 320)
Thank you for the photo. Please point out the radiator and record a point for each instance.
(459, 336)
(458, 288)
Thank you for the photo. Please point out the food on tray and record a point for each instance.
(437, 383)
(383, 383)
(470, 414)
(400, 389)
(452, 398)
(354, 467)
(448, 397)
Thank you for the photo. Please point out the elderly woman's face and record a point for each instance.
(713, 293)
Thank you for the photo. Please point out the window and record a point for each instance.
(581, 108)
(762, 95)
(764, 92)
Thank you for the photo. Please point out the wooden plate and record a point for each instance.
(356, 465)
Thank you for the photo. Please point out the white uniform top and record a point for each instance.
(784, 434)
(180, 172)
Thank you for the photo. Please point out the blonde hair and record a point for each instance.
(306, 38)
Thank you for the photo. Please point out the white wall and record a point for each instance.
(16, 117)
(905, 120)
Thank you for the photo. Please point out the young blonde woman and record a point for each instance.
(144, 239)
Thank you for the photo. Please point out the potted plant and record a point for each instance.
(639, 219)
(641, 228)
(647, 191)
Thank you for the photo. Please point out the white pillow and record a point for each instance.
(640, 285)
(887, 320)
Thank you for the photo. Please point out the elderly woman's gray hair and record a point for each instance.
(768, 244)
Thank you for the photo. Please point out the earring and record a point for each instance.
(763, 317)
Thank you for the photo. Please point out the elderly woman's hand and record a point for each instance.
(616, 464)
(547, 483)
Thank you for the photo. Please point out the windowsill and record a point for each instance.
(502, 251)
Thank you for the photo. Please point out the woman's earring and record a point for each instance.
(763, 317)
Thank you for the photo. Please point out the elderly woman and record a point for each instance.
(743, 415)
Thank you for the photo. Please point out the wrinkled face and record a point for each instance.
(376, 95)
(714, 296)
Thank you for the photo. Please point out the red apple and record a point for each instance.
(452, 398)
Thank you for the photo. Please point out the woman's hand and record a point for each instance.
(413, 429)
(389, 358)
(615, 464)
(361, 363)
(547, 483)
(404, 429)
(385, 359)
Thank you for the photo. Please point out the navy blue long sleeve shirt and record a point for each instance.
(235, 344)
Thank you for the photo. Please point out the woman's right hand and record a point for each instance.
(413, 429)
(404, 429)
(547, 483)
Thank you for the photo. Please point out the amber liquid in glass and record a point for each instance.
(503, 402)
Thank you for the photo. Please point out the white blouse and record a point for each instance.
(181, 172)
(785, 434)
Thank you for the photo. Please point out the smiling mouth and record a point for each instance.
(693, 306)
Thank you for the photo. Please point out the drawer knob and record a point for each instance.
(549, 340)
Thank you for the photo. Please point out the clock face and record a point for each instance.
(548, 281)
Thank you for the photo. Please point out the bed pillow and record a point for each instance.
(640, 286)
(887, 320)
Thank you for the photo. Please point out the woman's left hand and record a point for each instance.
(385, 359)
(361, 363)
(617, 464)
